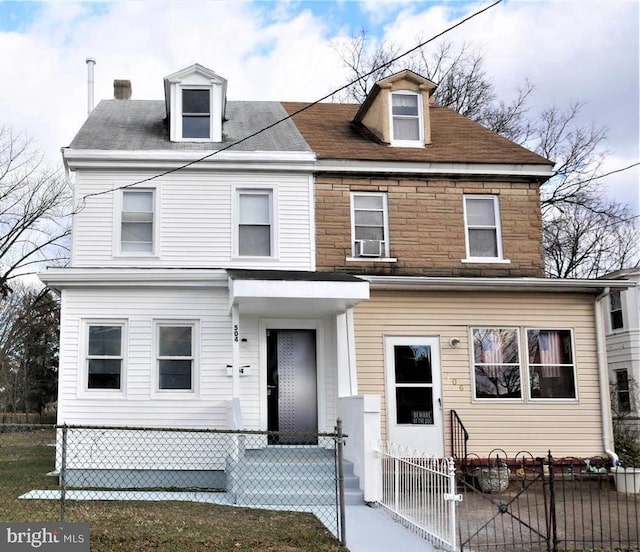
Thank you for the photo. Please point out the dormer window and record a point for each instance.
(196, 113)
(406, 116)
(195, 99)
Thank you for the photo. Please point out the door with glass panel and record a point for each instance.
(414, 402)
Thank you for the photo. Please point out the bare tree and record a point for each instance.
(33, 203)
(583, 235)
(29, 343)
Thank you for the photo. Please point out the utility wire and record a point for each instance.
(268, 127)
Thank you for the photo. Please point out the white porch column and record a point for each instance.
(346, 355)
(235, 352)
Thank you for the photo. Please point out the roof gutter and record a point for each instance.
(428, 283)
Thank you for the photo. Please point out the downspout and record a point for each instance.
(603, 372)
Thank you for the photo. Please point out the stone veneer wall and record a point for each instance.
(426, 227)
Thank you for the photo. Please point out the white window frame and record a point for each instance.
(385, 218)
(269, 191)
(195, 359)
(419, 143)
(215, 128)
(83, 372)
(117, 234)
(525, 365)
(529, 365)
(210, 115)
(496, 226)
(520, 365)
(612, 311)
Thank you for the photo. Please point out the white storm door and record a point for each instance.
(414, 402)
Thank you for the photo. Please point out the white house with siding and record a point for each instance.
(623, 342)
(227, 277)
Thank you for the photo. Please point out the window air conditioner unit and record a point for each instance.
(369, 248)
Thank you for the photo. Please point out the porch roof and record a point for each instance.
(295, 293)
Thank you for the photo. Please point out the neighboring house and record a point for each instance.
(381, 263)
(623, 342)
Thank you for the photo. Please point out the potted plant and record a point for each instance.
(626, 435)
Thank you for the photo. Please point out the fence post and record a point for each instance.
(552, 504)
(453, 504)
(341, 506)
(63, 473)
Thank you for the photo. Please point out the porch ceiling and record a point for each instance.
(295, 294)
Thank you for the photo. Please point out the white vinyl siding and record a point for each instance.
(568, 428)
(196, 224)
(145, 308)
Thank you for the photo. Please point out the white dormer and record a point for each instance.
(397, 110)
(195, 98)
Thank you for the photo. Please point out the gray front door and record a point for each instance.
(292, 397)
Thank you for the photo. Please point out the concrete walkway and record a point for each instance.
(373, 530)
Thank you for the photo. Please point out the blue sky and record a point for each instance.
(572, 50)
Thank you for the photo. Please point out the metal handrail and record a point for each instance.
(459, 438)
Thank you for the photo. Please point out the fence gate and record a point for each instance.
(506, 504)
(420, 492)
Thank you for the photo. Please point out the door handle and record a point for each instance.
(440, 403)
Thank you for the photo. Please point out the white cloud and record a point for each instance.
(571, 50)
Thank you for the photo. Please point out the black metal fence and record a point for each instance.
(234, 468)
(533, 504)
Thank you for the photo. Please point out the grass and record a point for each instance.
(26, 457)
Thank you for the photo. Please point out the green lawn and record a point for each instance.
(25, 458)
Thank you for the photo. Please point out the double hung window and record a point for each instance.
(105, 356)
(369, 224)
(137, 221)
(196, 113)
(482, 226)
(175, 356)
(615, 310)
(406, 116)
(255, 222)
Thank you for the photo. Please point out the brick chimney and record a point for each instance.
(122, 89)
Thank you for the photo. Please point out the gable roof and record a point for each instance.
(330, 131)
(130, 125)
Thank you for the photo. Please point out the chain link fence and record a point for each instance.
(255, 469)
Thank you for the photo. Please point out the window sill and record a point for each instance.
(485, 260)
(174, 394)
(371, 260)
(407, 144)
(136, 256)
(102, 393)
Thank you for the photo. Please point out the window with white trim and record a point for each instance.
(496, 363)
(406, 119)
(105, 359)
(615, 310)
(175, 347)
(137, 221)
(369, 224)
(255, 223)
(482, 227)
(551, 365)
(622, 391)
(196, 113)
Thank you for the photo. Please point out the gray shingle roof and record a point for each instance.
(142, 125)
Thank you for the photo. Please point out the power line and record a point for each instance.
(290, 116)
